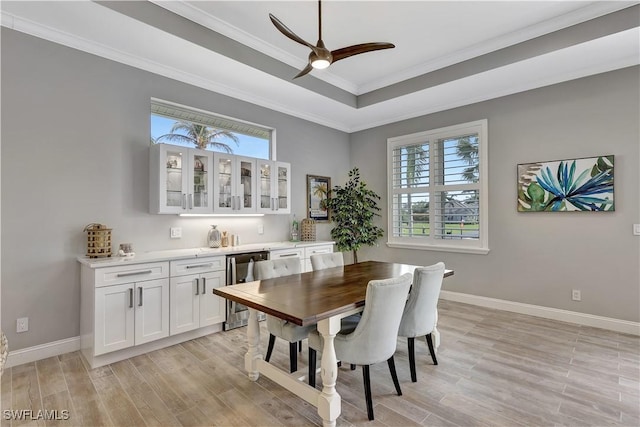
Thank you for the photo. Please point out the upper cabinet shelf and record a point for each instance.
(189, 180)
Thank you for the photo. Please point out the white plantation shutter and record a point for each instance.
(437, 189)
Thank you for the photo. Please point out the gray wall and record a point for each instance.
(537, 258)
(75, 138)
(75, 135)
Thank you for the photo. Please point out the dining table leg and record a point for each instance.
(329, 405)
(253, 339)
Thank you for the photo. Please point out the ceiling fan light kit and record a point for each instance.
(321, 57)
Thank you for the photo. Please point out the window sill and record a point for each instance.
(458, 249)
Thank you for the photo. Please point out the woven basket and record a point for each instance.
(4, 351)
(98, 241)
(308, 230)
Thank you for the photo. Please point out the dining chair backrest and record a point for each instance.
(329, 260)
(272, 268)
(374, 339)
(420, 312)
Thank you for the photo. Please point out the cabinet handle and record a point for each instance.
(200, 265)
(184, 201)
(130, 297)
(287, 255)
(190, 201)
(140, 294)
(134, 273)
(197, 287)
(239, 203)
(204, 286)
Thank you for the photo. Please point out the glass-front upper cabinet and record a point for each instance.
(274, 187)
(181, 180)
(234, 183)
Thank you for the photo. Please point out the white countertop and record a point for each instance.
(175, 254)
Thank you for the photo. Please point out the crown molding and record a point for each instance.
(345, 124)
(591, 11)
(586, 13)
(197, 15)
(35, 29)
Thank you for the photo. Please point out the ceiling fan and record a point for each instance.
(321, 57)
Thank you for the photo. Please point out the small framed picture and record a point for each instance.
(317, 192)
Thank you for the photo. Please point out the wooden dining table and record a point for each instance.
(319, 298)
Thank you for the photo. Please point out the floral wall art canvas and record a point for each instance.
(584, 184)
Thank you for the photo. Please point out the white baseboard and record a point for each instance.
(42, 351)
(55, 348)
(618, 325)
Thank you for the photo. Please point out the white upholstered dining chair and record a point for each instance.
(329, 260)
(420, 313)
(374, 338)
(277, 327)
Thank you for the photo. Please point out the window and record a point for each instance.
(438, 189)
(178, 125)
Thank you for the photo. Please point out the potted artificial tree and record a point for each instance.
(353, 208)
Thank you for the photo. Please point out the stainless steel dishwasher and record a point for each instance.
(240, 270)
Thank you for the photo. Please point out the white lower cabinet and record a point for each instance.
(131, 314)
(130, 309)
(304, 253)
(289, 253)
(123, 306)
(192, 304)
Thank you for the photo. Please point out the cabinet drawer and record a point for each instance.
(315, 250)
(197, 265)
(131, 273)
(287, 253)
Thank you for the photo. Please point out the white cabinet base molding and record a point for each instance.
(137, 350)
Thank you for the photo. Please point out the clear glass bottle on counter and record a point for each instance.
(214, 238)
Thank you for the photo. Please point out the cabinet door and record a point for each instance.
(245, 184)
(152, 310)
(265, 197)
(199, 195)
(184, 305)
(234, 182)
(223, 196)
(212, 307)
(114, 318)
(174, 175)
(282, 187)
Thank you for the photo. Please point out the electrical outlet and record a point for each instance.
(636, 229)
(22, 324)
(260, 229)
(576, 295)
(176, 232)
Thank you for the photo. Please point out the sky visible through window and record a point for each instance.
(250, 146)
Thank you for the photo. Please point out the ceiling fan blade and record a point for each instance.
(357, 49)
(290, 34)
(305, 71)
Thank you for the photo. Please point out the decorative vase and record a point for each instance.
(214, 238)
(225, 239)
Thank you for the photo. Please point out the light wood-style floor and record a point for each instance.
(495, 369)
